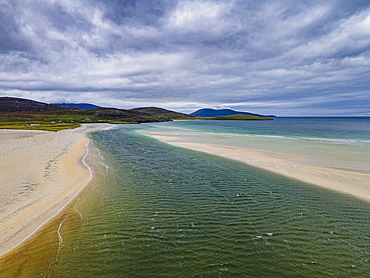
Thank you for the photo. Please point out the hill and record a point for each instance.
(240, 117)
(162, 113)
(115, 115)
(17, 113)
(84, 106)
(11, 104)
(208, 113)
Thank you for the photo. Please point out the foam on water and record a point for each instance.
(78, 212)
(60, 239)
(339, 141)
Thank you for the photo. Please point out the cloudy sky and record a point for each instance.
(291, 57)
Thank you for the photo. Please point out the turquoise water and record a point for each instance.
(333, 142)
(309, 128)
(162, 211)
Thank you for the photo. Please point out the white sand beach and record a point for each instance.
(41, 172)
(354, 182)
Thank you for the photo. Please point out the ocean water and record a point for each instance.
(334, 142)
(154, 210)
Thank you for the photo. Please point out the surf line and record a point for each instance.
(78, 210)
(60, 239)
(63, 207)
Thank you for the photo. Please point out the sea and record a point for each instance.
(156, 210)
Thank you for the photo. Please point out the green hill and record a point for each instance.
(84, 106)
(17, 113)
(212, 113)
(240, 117)
(162, 113)
(12, 104)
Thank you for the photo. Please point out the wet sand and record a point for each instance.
(41, 173)
(354, 182)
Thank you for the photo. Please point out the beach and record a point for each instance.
(152, 208)
(349, 181)
(41, 173)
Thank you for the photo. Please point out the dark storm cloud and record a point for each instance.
(11, 37)
(282, 57)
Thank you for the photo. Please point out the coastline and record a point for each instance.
(348, 181)
(43, 173)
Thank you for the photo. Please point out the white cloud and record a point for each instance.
(197, 15)
(271, 54)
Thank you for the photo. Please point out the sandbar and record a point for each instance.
(41, 173)
(349, 181)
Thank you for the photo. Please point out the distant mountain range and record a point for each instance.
(210, 113)
(151, 111)
(11, 104)
(164, 113)
(18, 113)
(84, 106)
(144, 114)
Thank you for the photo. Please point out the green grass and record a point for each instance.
(37, 121)
(41, 126)
(53, 121)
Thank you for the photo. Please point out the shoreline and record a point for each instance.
(46, 171)
(348, 181)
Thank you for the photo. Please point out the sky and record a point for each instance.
(288, 58)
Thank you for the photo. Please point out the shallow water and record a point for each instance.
(161, 211)
(333, 142)
(155, 210)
